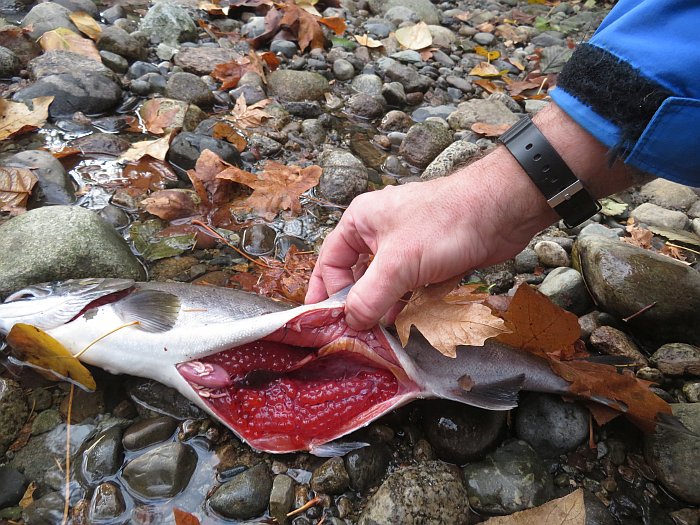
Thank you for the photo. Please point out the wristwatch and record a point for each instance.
(562, 189)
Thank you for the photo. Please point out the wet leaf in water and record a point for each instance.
(184, 518)
(47, 356)
(15, 187)
(245, 116)
(414, 37)
(569, 510)
(172, 204)
(66, 40)
(157, 149)
(447, 325)
(86, 24)
(28, 497)
(230, 133)
(158, 116)
(148, 174)
(17, 118)
(153, 245)
(213, 191)
(277, 188)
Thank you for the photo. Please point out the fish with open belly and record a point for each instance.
(283, 379)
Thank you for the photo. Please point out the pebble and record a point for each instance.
(245, 496)
(112, 14)
(9, 63)
(551, 254)
(344, 176)
(677, 359)
(330, 477)
(189, 88)
(343, 70)
(654, 215)
(399, 14)
(588, 323)
(162, 472)
(107, 503)
(600, 230)
(284, 48)
(394, 94)
(611, 341)
(407, 76)
(565, 287)
(367, 84)
(550, 425)
(526, 261)
(116, 63)
(186, 148)
(484, 39)
(296, 86)
(691, 390)
(103, 456)
(395, 120)
(281, 498)
(169, 23)
(367, 466)
(487, 111)
(119, 42)
(668, 194)
(425, 141)
(46, 421)
(200, 60)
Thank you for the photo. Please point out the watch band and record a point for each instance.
(563, 191)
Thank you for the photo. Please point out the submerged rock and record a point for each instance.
(162, 472)
(245, 496)
(148, 432)
(107, 503)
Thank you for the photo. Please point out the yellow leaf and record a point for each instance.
(86, 24)
(569, 510)
(66, 40)
(484, 69)
(17, 118)
(155, 148)
(414, 37)
(49, 357)
(368, 41)
(445, 324)
(517, 63)
(15, 186)
(28, 497)
(490, 55)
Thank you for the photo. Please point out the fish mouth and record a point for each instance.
(309, 382)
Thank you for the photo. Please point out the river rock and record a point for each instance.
(598, 229)
(551, 425)
(281, 498)
(73, 243)
(185, 116)
(408, 77)
(245, 496)
(103, 456)
(368, 84)
(551, 254)
(89, 93)
(189, 88)
(344, 176)
(459, 433)
(343, 70)
(54, 185)
(147, 432)
(45, 17)
(13, 485)
(186, 148)
(425, 141)
(45, 421)
(431, 493)
(46, 510)
(424, 9)
(511, 479)
(161, 472)
(13, 412)
(116, 40)
(623, 279)
(295, 86)
(611, 341)
(203, 60)
(487, 111)
(9, 63)
(677, 359)
(168, 23)
(565, 287)
(675, 455)
(668, 194)
(455, 155)
(107, 503)
(394, 94)
(367, 466)
(654, 215)
(59, 61)
(330, 477)
(151, 396)
(366, 106)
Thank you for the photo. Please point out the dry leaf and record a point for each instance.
(569, 510)
(66, 40)
(17, 118)
(639, 236)
(230, 133)
(157, 149)
(489, 86)
(368, 41)
(516, 88)
(484, 69)
(304, 25)
(157, 116)
(27, 498)
(490, 55)
(47, 356)
(277, 188)
(15, 187)
(414, 37)
(245, 116)
(184, 518)
(444, 324)
(489, 130)
(334, 23)
(213, 8)
(172, 204)
(517, 63)
(86, 24)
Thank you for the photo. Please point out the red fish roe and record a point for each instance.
(313, 402)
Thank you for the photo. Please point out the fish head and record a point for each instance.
(48, 305)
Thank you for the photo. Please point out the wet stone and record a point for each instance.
(460, 433)
(151, 396)
(330, 477)
(107, 503)
(13, 485)
(395, 120)
(147, 432)
(46, 421)
(259, 239)
(284, 48)
(139, 69)
(103, 456)
(13, 412)
(403, 497)
(281, 498)
(344, 176)
(677, 359)
(162, 472)
(47, 510)
(424, 142)
(551, 425)
(118, 41)
(189, 88)
(394, 94)
(245, 496)
(611, 341)
(599, 229)
(367, 466)
(187, 147)
(407, 76)
(565, 287)
(54, 186)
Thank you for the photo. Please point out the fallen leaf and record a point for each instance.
(414, 37)
(86, 24)
(152, 241)
(309, 6)
(15, 187)
(304, 25)
(368, 41)
(553, 58)
(683, 236)
(612, 207)
(277, 188)
(484, 69)
(490, 55)
(245, 116)
(674, 252)
(47, 356)
(516, 88)
(230, 133)
(172, 204)
(517, 63)
(508, 33)
(229, 73)
(639, 236)
(212, 190)
(489, 86)
(157, 116)
(447, 325)
(489, 130)
(157, 149)
(334, 23)
(213, 8)
(28, 497)
(569, 510)
(17, 118)
(66, 40)
(184, 518)
(148, 174)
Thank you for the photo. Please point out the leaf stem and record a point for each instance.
(211, 231)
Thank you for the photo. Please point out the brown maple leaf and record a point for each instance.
(172, 204)
(277, 188)
(639, 236)
(304, 25)
(444, 324)
(214, 191)
(156, 117)
(568, 510)
(15, 187)
(245, 116)
(17, 118)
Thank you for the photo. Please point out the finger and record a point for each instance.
(395, 310)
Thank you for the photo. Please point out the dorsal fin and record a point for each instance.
(155, 311)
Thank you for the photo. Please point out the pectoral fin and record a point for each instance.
(500, 395)
(154, 310)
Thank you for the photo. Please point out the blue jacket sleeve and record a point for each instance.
(635, 86)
